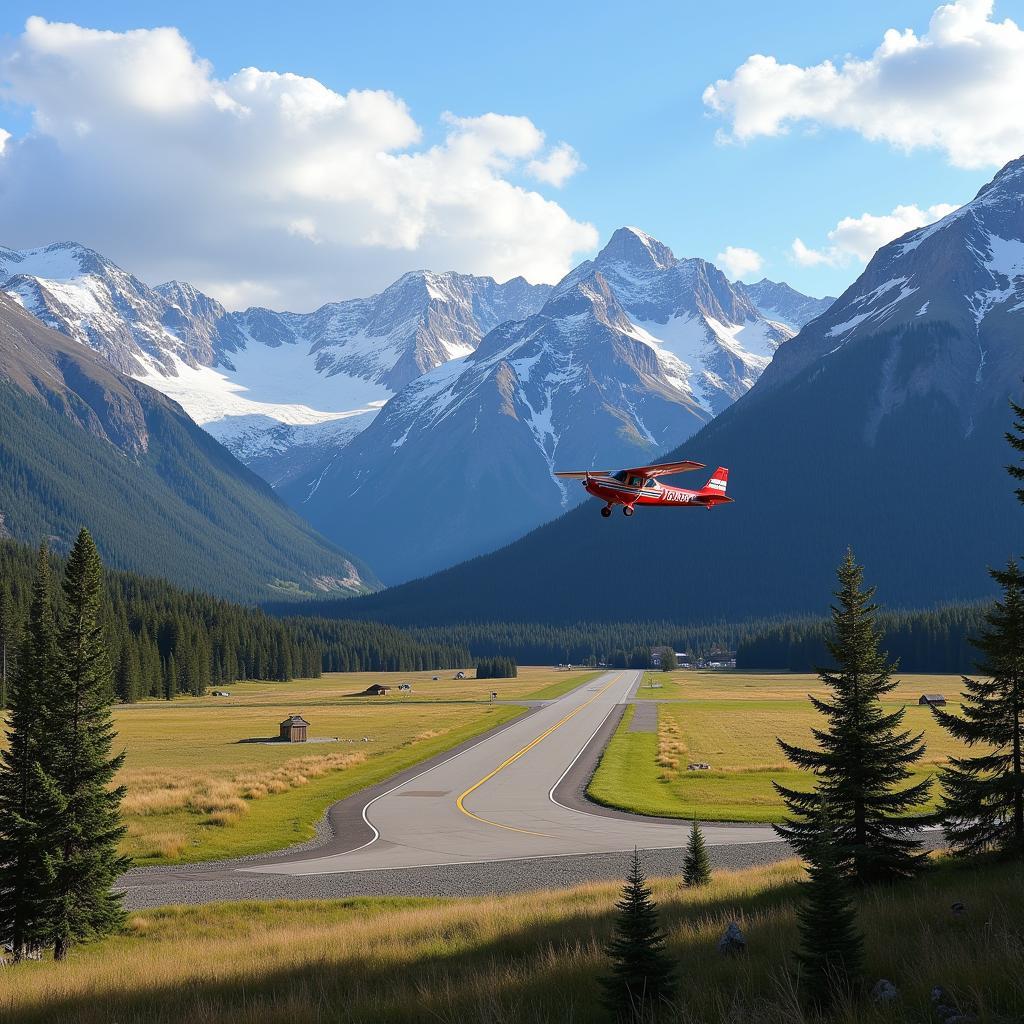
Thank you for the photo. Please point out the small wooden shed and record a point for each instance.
(936, 700)
(293, 729)
(376, 690)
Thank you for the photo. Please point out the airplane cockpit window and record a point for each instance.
(651, 485)
(635, 481)
(620, 476)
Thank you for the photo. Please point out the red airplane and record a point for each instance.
(632, 487)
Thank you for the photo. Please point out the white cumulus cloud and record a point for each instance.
(957, 88)
(857, 239)
(557, 167)
(266, 186)
(739, 262)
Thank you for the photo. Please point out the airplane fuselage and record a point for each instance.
(647, 492)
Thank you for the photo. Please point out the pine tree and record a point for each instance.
(642, 978)
(696, 864)
(80, 733)
(831, 955)
(983, 800)
(862, 757)
(1015, 438)
(29, 805)
(7, 641)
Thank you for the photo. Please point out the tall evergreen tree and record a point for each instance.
(983, 799)
(831, 954)
(1015, 438)
(29, 805)
(642, 978)
(696, 863)
(862, 757)
(8, 632)
(81, 733)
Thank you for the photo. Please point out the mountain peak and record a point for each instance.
(638, 249)
(1009, 171)
(58, 261)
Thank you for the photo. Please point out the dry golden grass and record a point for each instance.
(153, 793)
(690, 684)
(670, 745)
(525, 958)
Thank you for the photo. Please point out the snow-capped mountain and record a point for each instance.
(709, 331)
(879, 427)
(631, 354)
(963, 277)
(777, 301)
(283, 391)
(421, 321)
(89, 298)
(460, 461)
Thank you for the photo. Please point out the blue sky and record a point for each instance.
(622, 86)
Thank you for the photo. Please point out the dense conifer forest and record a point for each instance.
(165, 641)
(923, 641)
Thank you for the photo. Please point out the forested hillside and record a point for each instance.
(167, 641)
(82, 444)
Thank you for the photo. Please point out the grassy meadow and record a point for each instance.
(196, 791)
(525, 959)
(730, 721)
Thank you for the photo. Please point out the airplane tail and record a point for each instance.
(714, 489)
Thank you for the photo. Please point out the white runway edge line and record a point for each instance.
(440, 764)
(426, 771)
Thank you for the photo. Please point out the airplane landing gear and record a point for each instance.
(627, 510)
(606, 511)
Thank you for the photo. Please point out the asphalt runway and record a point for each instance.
(513, 796)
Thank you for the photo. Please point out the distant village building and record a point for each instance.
(376, 690)
(721, 659)
(935, 700)
(293, 729)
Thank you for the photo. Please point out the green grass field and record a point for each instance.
(526, 959)
(196, 792)
(730, 721)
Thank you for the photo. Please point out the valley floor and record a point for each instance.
(197, 790)
(527, 960)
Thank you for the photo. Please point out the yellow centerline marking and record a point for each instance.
(515, 757)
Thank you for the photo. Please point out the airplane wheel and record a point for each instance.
(626, 510)
(606, 512)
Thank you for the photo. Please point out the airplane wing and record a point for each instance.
(584, 475)
(666, 469)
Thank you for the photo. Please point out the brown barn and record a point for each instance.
(293, 729)
(376, 690)
(936, 700)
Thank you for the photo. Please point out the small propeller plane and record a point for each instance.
(632, 487)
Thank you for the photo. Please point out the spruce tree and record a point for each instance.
(831, 954)
(80, 733)
(1015, 438)
(8, 632)
(696, 864)
(29, 804)
(642, 978)
(862, 757)
(983, 799)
